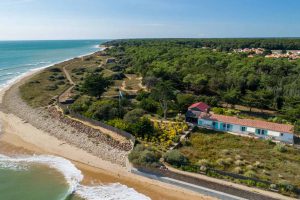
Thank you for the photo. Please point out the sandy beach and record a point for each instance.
(18, 136)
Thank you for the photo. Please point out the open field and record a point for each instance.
(246, 156)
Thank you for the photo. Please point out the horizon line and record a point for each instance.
(133, 38)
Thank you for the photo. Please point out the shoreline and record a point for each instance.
(21, 134)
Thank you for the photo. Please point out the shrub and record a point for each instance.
(134, 115)
(51, 87)
(119, 123)
(261, 185)
(184, 101)
(142, 95)
(176, 158)
(176, 139)
(203, 168)
(273, 187)
(142, 127)
(286, 186)
(54, 69)
(280, 148)
(60, 83)
(81, 104)
(203, 162)
(250, 167)
(258, 164)
(265, 172)
(143, 156)
(219, 111)
(60, 77)
(238, 170)
(239, 162)
(250, 174)
(222, 162)
(149, 105)
(229, 161)
(225, 152)
(103, 110)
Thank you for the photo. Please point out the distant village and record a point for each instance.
(290, 54)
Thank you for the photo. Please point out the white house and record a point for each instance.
(257, 128)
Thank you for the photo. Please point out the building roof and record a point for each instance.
(200, 106)
(283, 128)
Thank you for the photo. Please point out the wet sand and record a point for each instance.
(19, 137)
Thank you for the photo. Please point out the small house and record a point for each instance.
(232, 124)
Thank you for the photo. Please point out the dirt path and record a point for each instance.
(68, 93)
(68, 75)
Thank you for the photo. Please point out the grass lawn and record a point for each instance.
(246, 156)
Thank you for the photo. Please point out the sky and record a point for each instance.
(111, 19)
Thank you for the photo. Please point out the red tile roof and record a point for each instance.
(203, 107)
(283, 128)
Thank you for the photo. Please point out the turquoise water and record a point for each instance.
(18, 57)
(46, 177)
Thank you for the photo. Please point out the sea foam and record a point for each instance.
(73, 177)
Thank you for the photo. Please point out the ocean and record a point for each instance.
(47, 177)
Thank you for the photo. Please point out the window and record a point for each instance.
(228, 126)
(258, 131)
(263, 132)
(224, 125)
(243, 128)
(281, 134)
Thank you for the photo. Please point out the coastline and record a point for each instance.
(20, 134)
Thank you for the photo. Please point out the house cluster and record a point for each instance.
(199, 114)
(290, 54)
(257, 51)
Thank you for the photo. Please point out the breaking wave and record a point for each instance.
(73, 177)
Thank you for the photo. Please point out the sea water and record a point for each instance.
(46, 177)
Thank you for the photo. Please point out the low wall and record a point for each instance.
(104, 126)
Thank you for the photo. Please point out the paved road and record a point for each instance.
(208, 188)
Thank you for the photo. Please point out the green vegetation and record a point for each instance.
(94, 85)
(159, 79)
(144, 156)
(215, 76)
(175, 158)
(219, 44)
(42, 88)
(249, 157)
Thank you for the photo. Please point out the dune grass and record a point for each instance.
(247, 156)
(40, 89)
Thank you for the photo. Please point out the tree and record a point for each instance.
(142, 127)
(231, 96)
(163, 93)
(134, 115)
(94, 85)
(176, 158)
(103, 110)
(184, 101)
(142, 156)
(250, 99)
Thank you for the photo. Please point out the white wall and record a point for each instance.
(286, 137)
(274, 133)
(250, 129)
